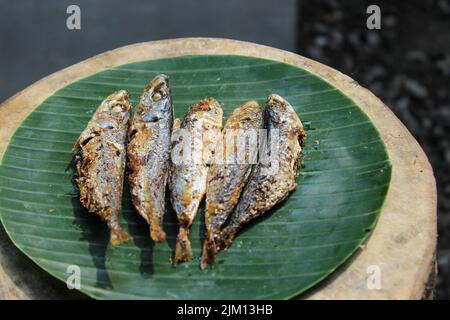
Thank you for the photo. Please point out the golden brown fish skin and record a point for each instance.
(226, 181)
(266, 187)
(148, 153)
(100, 162)
(188, 178)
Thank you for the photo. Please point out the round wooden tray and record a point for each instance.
(402, 245)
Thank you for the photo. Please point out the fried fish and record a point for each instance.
(193, 150)
(271, 181)
(100, 162)
(148, 152)
(226, 180)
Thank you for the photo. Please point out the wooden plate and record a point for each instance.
(402, 246)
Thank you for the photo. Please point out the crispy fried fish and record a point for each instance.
(100, 161)
(148, 153)
(226, 180)
(271, 181)
(193, 150)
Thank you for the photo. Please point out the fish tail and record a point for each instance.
(119, 236)
(183, 250)
(157, 233)
(209, 252)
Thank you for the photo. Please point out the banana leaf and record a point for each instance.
(342, 186)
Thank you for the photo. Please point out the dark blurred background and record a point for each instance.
(406, 63)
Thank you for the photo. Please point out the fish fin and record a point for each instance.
(119, 236)
(183, 250)
(209, 252)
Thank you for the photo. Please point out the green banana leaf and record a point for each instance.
(342, 186)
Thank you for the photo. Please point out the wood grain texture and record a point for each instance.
(402, 244)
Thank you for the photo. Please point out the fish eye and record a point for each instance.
(156, 96)
(117, 108)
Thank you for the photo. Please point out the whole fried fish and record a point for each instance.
(100, 162)
(148, 153)
(226, 180)
(193, 150)
(271, 181)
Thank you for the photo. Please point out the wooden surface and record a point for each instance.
(402, 244)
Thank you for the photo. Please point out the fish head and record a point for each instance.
(209, 110)
(156, 101)
(280, 114)
(116, 106)
(251, 106)
(248, 113)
